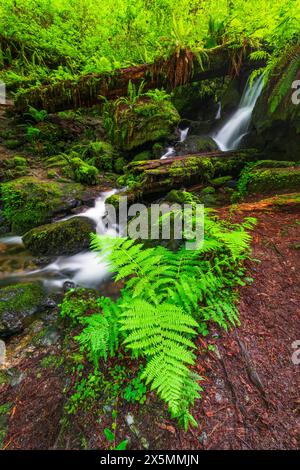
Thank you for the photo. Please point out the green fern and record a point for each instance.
(168, 295)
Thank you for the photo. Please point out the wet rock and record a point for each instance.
(195, 144)
(66, 237)
(51, 337)
(30, 202)
(148, 120)
(18, 306)
(68, 285)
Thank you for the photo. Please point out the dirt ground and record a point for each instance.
(251, 392)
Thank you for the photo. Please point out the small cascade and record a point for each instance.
(219, 111)
(183, 134)
(231, 134)
(171, 152)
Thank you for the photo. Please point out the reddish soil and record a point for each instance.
(251, 397)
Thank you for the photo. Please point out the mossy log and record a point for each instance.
(181, 68)
(157, 176)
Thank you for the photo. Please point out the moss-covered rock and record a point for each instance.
(18, 306)
(276, 116)
(142, 156)
(180, 197)
(265, 178)
(221, 181)
(5, 410)
(29, 202)
(13, 167)
(195, 144)
(66, 237)
(83, 172)
(99, 154)
(132, 124)
(273, 179)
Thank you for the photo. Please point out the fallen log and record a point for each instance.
(158, 176)
(181, 68)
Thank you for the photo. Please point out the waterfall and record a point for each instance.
(86, 269)
(232, 132)
(219, 111)
(183, 134)
(169, 153)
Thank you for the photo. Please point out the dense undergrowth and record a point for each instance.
(67, 38)
(168, 298)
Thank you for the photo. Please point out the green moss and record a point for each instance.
(22, 296)
(83, 172)
(12, 144)
(29, 202)
(264, 177)
(208, 190)
(120, 165)
(4, 415)
(99, 154)
(142, 156)
(181, 197)
(66, 237)
(192, 166)
(221, 181)
(77, 303)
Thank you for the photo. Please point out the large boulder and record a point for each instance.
(130, 125)
(195, 144)
(18, 306)
(66, 237)
(29, 202)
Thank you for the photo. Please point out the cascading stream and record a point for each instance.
(232, 132)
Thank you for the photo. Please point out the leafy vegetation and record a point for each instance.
(168, 298)
(69, 38)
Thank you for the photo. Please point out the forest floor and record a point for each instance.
(250, 397)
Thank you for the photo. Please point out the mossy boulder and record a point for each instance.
(256, 179)
(99, 154)
(5, 411)
(132, 124)
(83, 172)
(29, 202)
(221, 181)
(66, 237)
(276, 116)
(18, 306)
(197, 144)
(181, 197)
(142, 156)
(13, 167)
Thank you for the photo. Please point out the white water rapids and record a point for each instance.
(232, 132)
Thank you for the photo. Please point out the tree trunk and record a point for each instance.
(181, 68)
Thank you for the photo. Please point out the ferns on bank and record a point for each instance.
(167, 297)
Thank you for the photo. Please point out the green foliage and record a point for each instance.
(136, 391)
